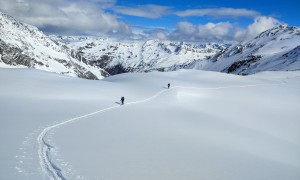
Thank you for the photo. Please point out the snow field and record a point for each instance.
(208, 126)
(172, 138)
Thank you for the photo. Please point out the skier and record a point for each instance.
(168, 85)
(122, 100)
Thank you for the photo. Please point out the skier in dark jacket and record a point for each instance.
(168, 85)
(122, 100)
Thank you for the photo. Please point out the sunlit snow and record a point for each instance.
(208, 125)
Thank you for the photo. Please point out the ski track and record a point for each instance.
(44, 148)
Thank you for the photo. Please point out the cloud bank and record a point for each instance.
(102, 17)
(206, 32)
(69, 17)
(147, 11)
(218, 12)
(259, 25)
(222, 30)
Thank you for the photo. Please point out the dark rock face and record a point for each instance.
(87, 75)
(218, 55)
(117, 69)
(243, 64)
(102, 62)
(14, 56)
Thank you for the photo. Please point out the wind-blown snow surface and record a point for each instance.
(209, 125)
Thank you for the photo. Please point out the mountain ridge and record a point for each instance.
(272, 50)
(140, 56)
(23, 45)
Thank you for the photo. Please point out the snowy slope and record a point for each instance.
(276, 49)
(209, 125)
(23, 45)
(117, 56)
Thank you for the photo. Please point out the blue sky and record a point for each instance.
(287, 11)
(180, 20)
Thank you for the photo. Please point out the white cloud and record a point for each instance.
(81, 16)
(186, 28)
(151, 33)
(90, 17)
(148, 11)
(186, 31)
(221, 31)
(216, 30)
(259, 25)
(156, 11)
(161, 35)
(218, 12)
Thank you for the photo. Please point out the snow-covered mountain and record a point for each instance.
(23, 45)
(277, 49)
(273, 50)
(117, 56)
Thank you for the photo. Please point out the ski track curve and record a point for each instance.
(44, 148)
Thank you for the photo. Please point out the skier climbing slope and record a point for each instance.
(122, 100)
